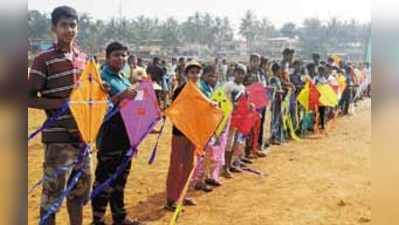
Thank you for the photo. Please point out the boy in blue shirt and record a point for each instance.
(113, 141)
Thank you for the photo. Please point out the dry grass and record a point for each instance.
(316, 182)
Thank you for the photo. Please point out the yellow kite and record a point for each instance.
(328, 97)
(225, 105)
(89, 103)
(195, 116)
(303, 96)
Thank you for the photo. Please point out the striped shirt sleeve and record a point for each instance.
(38, 73)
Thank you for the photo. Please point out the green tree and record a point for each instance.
(248, 28)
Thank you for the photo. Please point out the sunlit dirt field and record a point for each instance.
(316, 182)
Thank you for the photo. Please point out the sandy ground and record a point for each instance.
(316, 182)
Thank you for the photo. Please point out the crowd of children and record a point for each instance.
(55, 71)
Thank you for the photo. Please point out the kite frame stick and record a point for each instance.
(180, 201)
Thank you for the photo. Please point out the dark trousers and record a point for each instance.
(262, 122)
(322, 113)
(114, 195)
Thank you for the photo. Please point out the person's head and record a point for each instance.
(224, 62)
(210, 75)
(311, 69)
(216, 61)
(181, 60)
(316, 58)
(276, 69)
(189, 59)
(288, 55)
(193, 71)
(132, 61)
(139, 61)
(254, 61)
(174, 60)
(116, 55)
(322, 71)
(163, 62)
(155, 61)
(330, 60)
(239, 73)
(297, 65)
(64, 20)
(263, 62)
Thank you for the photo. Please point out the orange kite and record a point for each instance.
(89, 103)
(195, 116)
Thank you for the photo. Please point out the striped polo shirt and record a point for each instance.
(58, 72)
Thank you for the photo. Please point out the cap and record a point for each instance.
(241, 67)
(192, 63)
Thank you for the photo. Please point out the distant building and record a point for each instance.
(276, 45)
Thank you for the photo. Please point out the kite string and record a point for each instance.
(66, 167)
(74, 180)
(50, 121)
(114, 109)
(57, 172)
(128, 156)
(154, 150)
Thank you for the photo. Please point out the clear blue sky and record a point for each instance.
(278, 11)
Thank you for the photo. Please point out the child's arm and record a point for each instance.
(36, 83)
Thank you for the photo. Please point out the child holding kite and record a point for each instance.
(234, 89)
(207, 171)
(277, 135)
(113, 142)
(51, 80)
(182, 154)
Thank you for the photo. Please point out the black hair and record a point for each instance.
(286, 51)
(322, 70)
(209, 69)
(114, 46)
(275, 67)
(311, 67)
(156, 59)
(316, 55)
(263, 61)
(63, 12)
(130, 59)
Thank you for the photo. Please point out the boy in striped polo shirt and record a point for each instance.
(51, 80)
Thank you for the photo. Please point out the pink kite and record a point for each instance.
(141, 114)
(257, 94)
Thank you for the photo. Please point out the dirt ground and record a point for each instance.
(316, 182)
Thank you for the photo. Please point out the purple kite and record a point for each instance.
(141, 114)
(257, 94)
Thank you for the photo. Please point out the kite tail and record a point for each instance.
(62, 168)
(58, 202)
(154, 150)
(292, 131)
(250, 170)
(130, 153)
(48, 122)
(179, 207)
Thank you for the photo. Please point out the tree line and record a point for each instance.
(209, 31)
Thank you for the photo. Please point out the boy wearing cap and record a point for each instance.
(182, 154)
